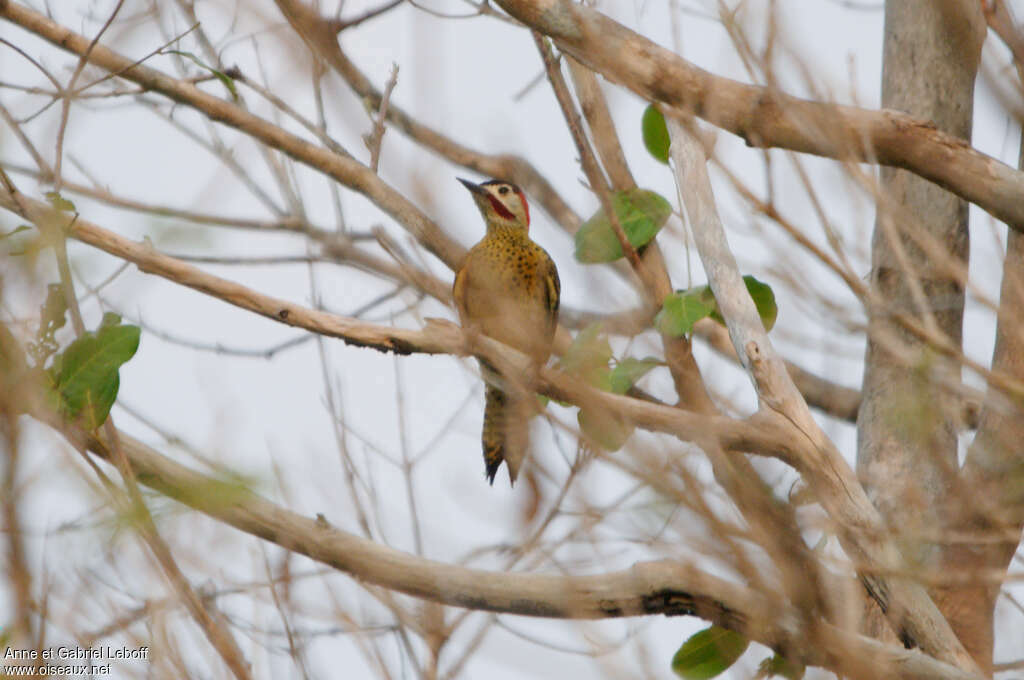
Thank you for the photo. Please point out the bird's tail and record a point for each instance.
(506, 434)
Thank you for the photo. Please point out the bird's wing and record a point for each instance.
(552, 290)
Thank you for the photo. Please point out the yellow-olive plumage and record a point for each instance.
(507, 288)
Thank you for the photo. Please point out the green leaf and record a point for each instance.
(224, 78)
(59, 202)
(708, 653)
(110, 319)
(588, 357)
(655, 133)
(764, 299)
(682, 309)
(628, 371)
(604, 428)
(641, 213)
(20, 228)
(84, 377)
(779, 665)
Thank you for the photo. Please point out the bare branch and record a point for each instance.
(667, 587)
(906, 603)
(341, 25)
(602, 127)
(767, 118)
(318, 34)
(341, 167)
(757, 435)
(376, 138)
(591, 168)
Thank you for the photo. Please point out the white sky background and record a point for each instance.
(268, 420)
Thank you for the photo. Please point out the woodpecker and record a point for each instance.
(507, 288)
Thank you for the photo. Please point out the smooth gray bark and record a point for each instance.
(907, 424)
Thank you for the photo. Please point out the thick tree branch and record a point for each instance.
(665, 587)
(766, 433)
(761, 435)
(861, 530)
(767, 118)
(919, 253)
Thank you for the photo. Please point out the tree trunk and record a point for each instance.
(907, 425)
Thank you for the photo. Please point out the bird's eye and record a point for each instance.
(503, 190)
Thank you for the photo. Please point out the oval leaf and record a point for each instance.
(655, 133)
(628, 371)
(588, 357)
(682, 309)
(604, 429)
(84, 377)
(708, 653)
(764, 300)
(641, 213)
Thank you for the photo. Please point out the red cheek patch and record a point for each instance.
(501, 209)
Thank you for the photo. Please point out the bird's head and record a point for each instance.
(502, 204)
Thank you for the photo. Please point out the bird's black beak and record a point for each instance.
(474, 188)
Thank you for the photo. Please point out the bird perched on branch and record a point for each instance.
(507, 288)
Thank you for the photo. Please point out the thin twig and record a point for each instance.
(376, 138)
(342, 24)
(595, 176)
(129, 499)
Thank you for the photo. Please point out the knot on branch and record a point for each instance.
(670, 603)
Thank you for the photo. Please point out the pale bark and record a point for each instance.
(994, 469)
(906, 604)
(666, 587)
(907, 438)
(768, 118)
(783, 428)
(993, 474)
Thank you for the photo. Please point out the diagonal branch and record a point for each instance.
(602, 128)
(768, 118)
(765, 433)
(861, 530)
(663, 587)
(320, 35)
(759, 436)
